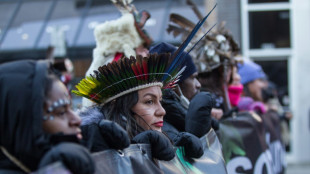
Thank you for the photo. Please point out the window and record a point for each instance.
(266, 1)
(269, 29)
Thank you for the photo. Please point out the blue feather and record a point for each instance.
(177, 59)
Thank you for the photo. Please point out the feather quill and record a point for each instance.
(177, 55)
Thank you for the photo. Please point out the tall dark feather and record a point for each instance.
(176, 56)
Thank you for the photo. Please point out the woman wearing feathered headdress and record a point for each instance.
(129, 92)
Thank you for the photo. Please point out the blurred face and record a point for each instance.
(149, 113)
(58, 115)
(190, 86)
(236, 77)
(255, 88)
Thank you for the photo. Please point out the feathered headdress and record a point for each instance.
(131, 74)
(127, 75)
(217, 48)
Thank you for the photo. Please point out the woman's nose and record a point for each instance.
(160, 111)
(75, 120)
(197, 84)
(237, 78)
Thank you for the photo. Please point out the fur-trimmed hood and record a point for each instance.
(91, 115)
(21, 100)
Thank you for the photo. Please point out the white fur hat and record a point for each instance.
(119, 35)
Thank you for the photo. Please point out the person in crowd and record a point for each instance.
(255, 98)
(121, 37)
(184, 102)
(274, 107)
(253, 79)
(128, 92)
(212, 57)
(38, 126)
(235, 87)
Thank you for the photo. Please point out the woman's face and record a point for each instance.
(255, 88)
(59, 117)
(236, 79)
(190, 86)
(234, 76)
(148, 111)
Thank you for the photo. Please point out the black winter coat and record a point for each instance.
(22, 87)
(21, 110)
(174, 120)
(196, 119)
(92, 137)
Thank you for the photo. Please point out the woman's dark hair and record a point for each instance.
(119, 111)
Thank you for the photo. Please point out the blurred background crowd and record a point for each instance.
(272, 33)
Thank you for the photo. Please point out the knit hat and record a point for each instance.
(188, 61)
(250, 71)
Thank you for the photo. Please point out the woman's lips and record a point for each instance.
(159, 124)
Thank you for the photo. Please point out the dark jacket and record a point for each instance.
(175, 114)
(21, 103)
(196, 119)
(22, 96)
(92, 137)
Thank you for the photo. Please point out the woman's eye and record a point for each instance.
(61, 113)
(149, 102)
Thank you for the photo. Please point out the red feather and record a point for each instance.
(134, 68)
(145, 69)
(139, 68)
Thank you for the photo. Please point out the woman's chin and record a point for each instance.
(79, 136)
(157, 129)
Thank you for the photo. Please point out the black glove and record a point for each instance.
(161, 147)
(114, 134)
(230, 112)
(104, 135)
(215, 124)
(191, 143)
(198, 117)
(75, 157)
